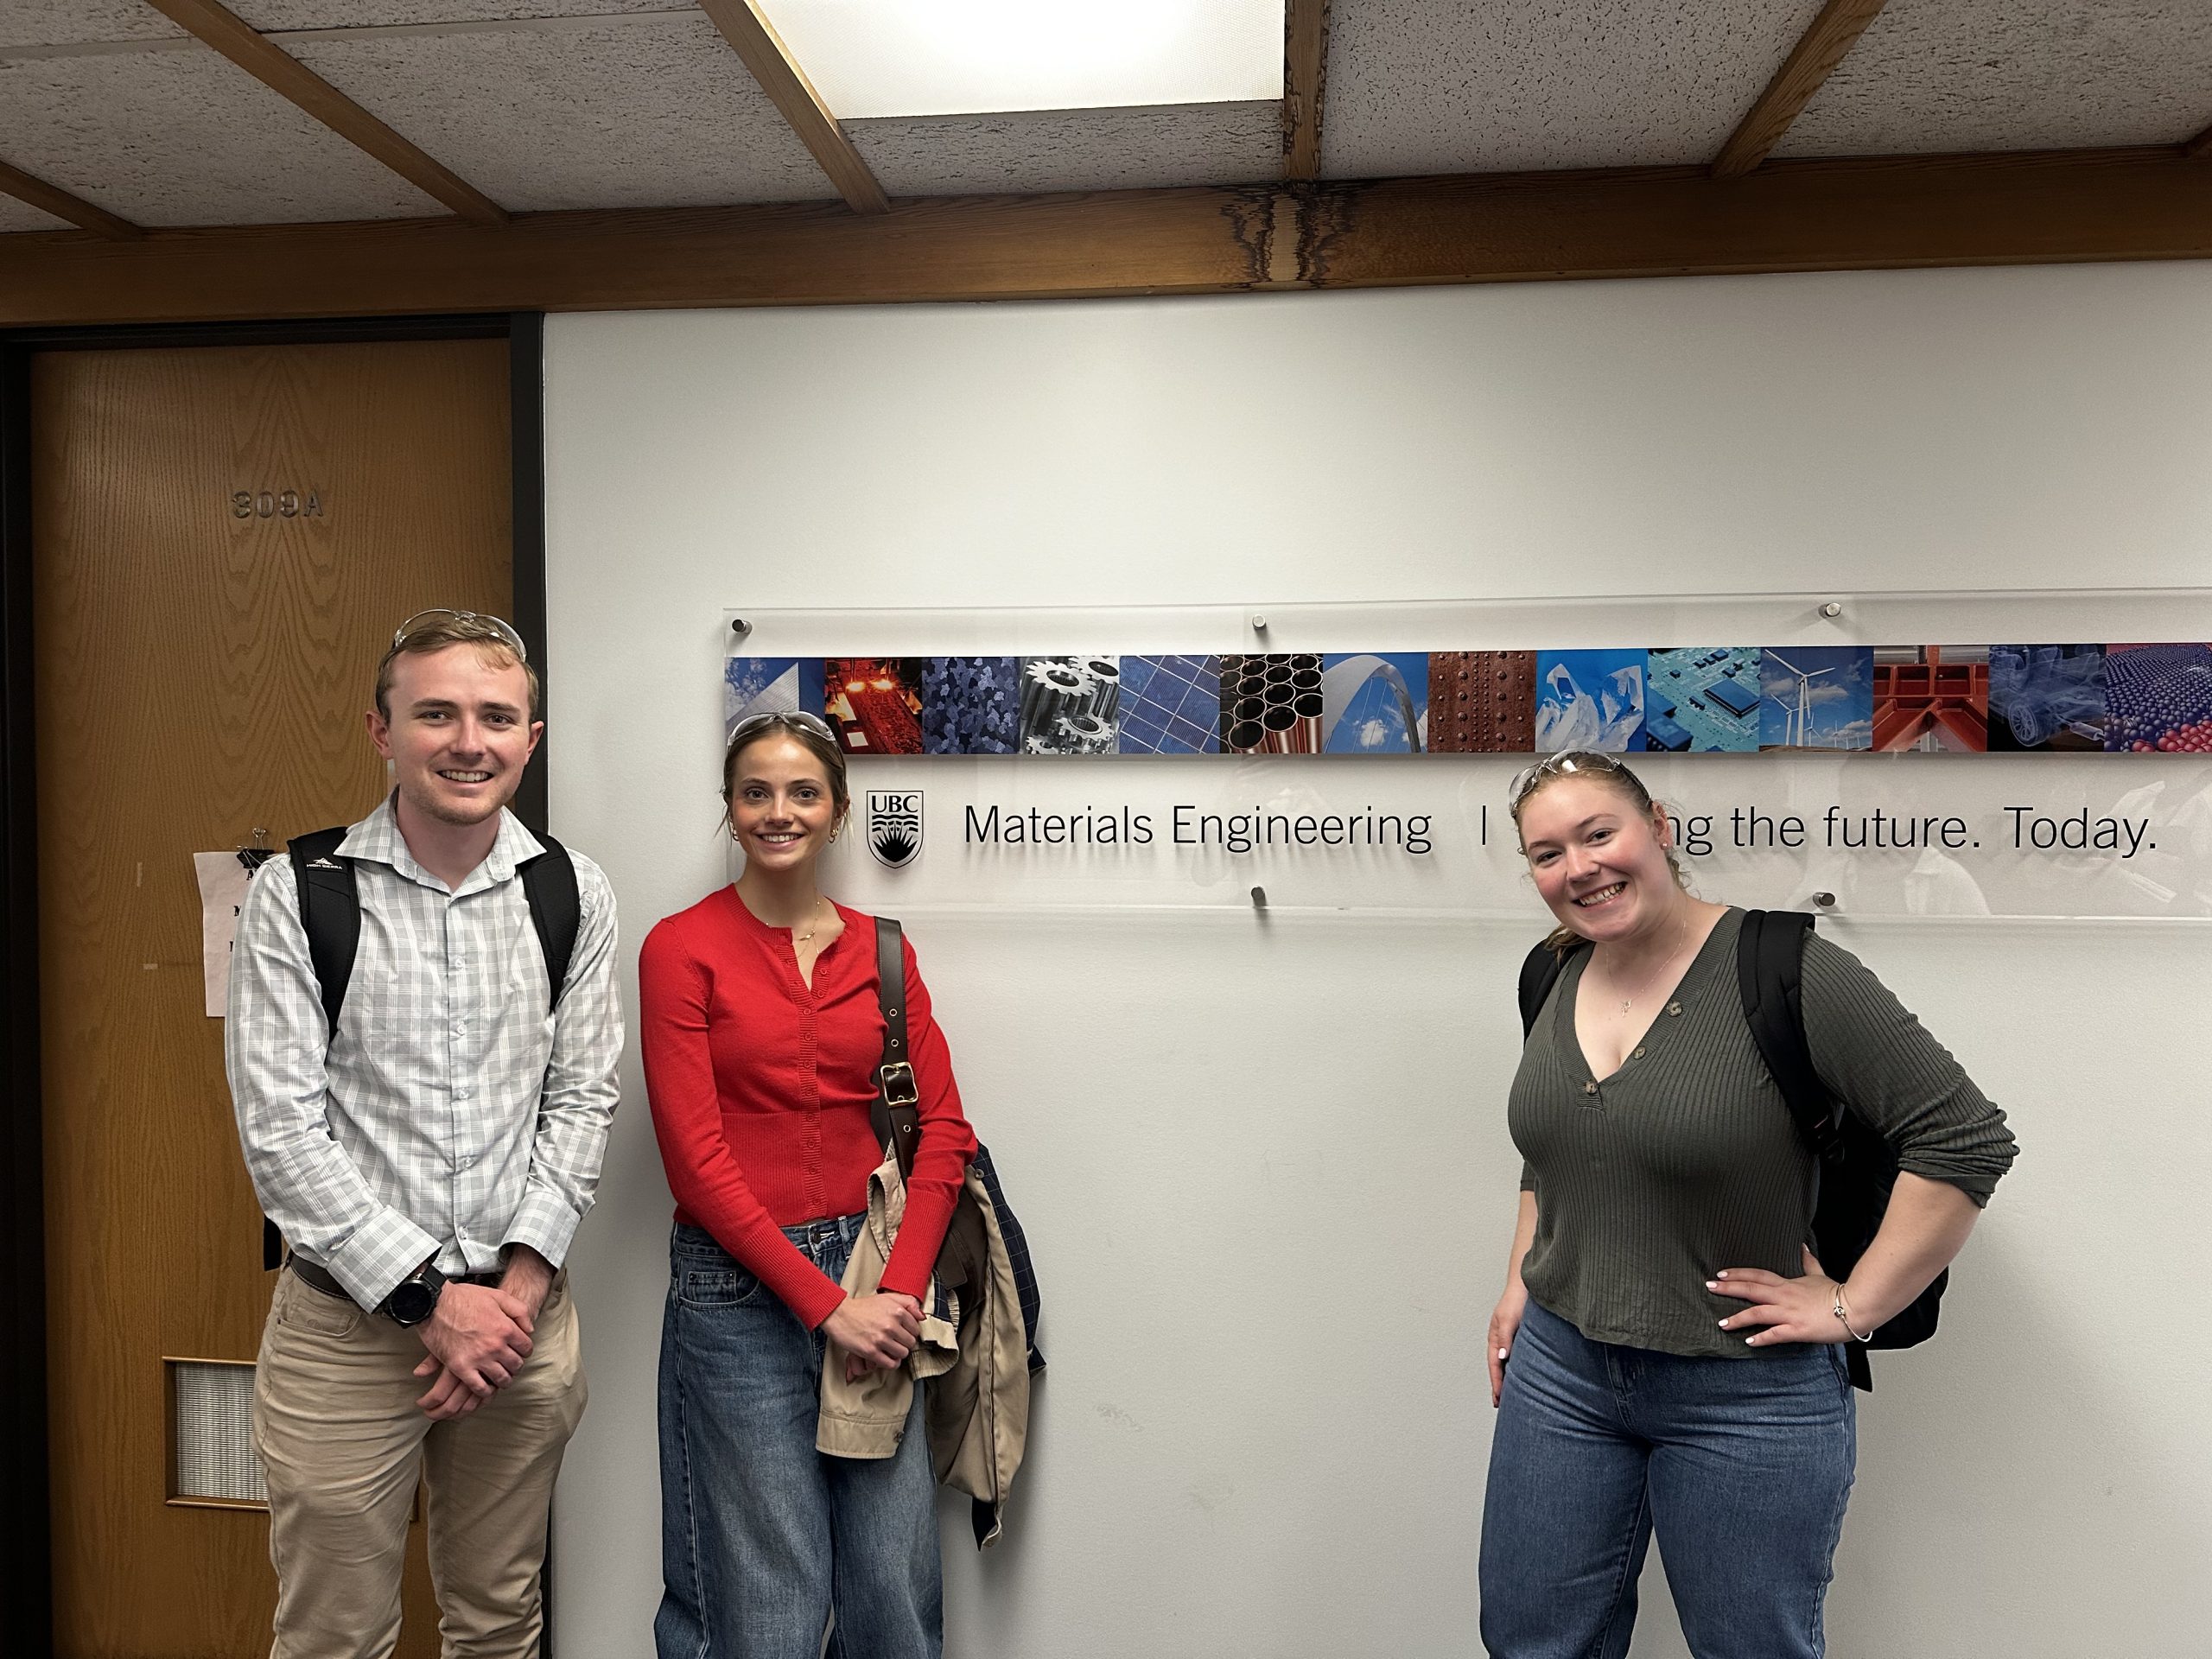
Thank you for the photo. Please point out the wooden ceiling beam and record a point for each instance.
(1861, 213)
(2015, 209)
(284, 74)
(51, 199)
(1305, 78)
(754, 39)
(1826, 41)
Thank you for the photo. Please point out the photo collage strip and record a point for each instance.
(1718, 699)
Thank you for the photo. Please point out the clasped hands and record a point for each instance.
(876, 1330)
(479, 1335)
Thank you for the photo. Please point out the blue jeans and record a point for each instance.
(762, 1535)
(1742, 1467)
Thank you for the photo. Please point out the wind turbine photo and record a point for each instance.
(1793, 720)
(1817, 697)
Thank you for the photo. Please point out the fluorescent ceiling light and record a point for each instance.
(956, 57)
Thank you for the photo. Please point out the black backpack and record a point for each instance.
(1857, 1168)
(330, 911)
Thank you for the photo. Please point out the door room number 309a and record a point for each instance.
(275, 504)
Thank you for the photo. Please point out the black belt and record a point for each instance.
(320, 1278)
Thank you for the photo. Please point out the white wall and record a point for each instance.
(1265, 1169)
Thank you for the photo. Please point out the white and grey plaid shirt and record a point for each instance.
(452, 1112)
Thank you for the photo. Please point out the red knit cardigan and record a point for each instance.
(760, 1089)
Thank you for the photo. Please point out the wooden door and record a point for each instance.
(223, 540)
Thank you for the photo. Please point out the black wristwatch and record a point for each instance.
(414, 1298)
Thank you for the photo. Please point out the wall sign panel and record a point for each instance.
(1930, 780)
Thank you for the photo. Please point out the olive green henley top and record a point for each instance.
(1687, 1160)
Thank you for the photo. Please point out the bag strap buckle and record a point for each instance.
(897, 1080)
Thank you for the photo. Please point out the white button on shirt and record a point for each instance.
(455, 1111)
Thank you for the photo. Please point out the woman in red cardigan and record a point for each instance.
(762, 1034)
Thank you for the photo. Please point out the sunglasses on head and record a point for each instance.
(782, 717)
(438, 613)
(1564, 764)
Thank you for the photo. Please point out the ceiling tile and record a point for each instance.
(1031, 150)
(71, 23)
(1505, 85)
(658, 112)
(21, 216)
(1937, 75)
(185, 137)
(266, 15)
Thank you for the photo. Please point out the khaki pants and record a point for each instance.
(343, 1443)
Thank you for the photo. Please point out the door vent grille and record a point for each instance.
(210, 1435)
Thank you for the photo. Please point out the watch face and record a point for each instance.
(413, 1302)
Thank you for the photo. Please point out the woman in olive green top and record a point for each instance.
(1666, 1355)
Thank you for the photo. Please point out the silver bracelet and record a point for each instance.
(1843, 1318)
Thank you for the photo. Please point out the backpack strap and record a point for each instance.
(549, 881)
(896, 1110)
(1540, 971)
(330, 911)
(330, 915)
(1770, 976)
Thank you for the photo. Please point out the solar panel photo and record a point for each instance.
(1171, 705)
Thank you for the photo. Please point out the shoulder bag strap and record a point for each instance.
(897, 1110)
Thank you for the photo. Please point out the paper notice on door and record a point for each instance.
(223, 877)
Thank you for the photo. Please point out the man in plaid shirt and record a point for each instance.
(428, 1159)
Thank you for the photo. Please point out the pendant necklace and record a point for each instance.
(813, 916)
(1680, 933)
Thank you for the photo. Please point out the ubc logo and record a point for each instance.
(895, 826)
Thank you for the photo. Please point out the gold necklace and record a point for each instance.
(1681, 934)
(807, 937)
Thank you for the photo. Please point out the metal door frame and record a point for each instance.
(27, 1569)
